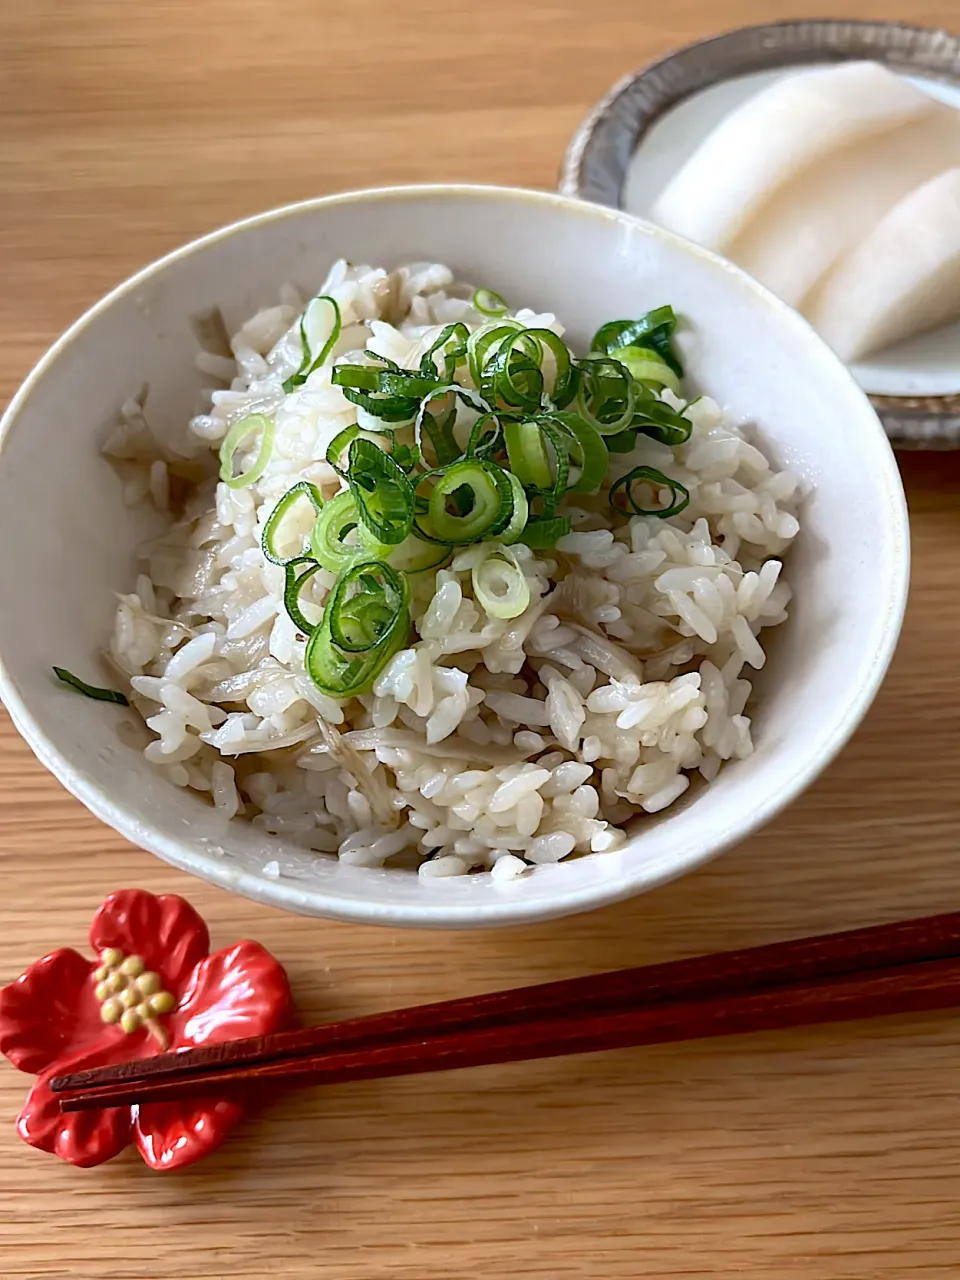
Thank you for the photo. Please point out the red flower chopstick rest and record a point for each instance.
(153, 986)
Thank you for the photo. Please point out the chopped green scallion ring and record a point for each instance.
(513, 376)
(339, 443)
(234, 438)
(545, 532)
(607, 395)
(489, 303)
(387, 382)
(292, 587)
(439, 428)
(680, 495)
(646, 366)
(344, 674)
(453, 357)
(303, 488)
(488, 498)
(527, 453)
(655, 419)
(521, 512)
(551, 496)
(91, 690)
(654, 331)
(486, 436)
(565, 378)
(381, 490)
(334, 525)
(413, 555)
(591, 456)
(622, 442)
(481, 343)
(365, 605)
(499, 583)
(319, 330)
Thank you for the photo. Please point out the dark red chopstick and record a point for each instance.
(903, 967)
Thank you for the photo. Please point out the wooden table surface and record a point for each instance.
(827, 1153)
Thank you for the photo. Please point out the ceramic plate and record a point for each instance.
(640, 134)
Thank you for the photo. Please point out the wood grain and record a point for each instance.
(822, 1154)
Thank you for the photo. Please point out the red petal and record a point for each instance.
(48, 1010)
(240, 991)
(170, 1135)
(83, 1138)
(166, 931)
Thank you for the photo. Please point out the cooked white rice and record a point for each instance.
(487, 744)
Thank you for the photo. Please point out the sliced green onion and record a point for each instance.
(319, 330)
(499, 583)
(622, 442)
(565, 379)
(646, 366)
(489, 303)
(545, 532)
(439, 429)
(458, 334)
(365, 605)
(234, 438)
(551, 496)
(521, 512)
(387, 382)
(513, 376)
(607, 395)
(527, 453)
(339, 443)
(612, 400)
(302, 489)
(657, 480)
(292, 587)
(660, 422)
(489, 502)
(382, 492)
(383, 390)
(90, 690)
(328, 541)
(590, 452)
(344, 674)
(413, 555)
(486, 437)
(653, 330)
(406, 456)
(481, 343)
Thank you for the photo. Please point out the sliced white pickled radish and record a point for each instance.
(903, 279)
(775, 135)
(826, 210)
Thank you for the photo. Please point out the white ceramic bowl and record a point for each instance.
(68, 540)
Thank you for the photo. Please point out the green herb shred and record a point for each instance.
(90, 690)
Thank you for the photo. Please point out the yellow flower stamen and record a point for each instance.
(132, 995)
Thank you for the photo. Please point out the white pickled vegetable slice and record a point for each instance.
(828, 209)
(773, 136)
(903, 279)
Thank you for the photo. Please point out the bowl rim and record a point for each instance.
(594, 165)
(505, 909)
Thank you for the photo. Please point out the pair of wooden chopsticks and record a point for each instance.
(907, 967)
